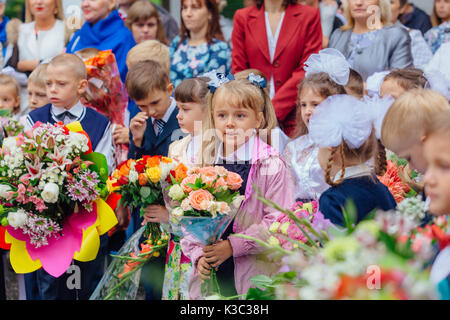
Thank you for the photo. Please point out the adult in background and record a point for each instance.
(145, 23)
(420, 50)
(277, 37)
(440, 33)
(200, 47)
(415, 18)
(42, 36)
(370, 42)
(103, 29)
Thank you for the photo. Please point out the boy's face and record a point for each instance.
(37, 96)
(437, 177)
(413, 153)
(63, 87)
(156, 103)
(8, 99)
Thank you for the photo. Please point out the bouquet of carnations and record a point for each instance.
(138, 182)
(203, 204)
(106, 92)
(51, 184)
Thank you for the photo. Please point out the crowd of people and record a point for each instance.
(286, 58)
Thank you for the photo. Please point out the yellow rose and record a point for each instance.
(153, 174)
(109, 185)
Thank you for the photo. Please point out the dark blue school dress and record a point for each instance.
(366, 192)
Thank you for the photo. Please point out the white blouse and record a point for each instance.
(43, 46)
(308, 176)
(272, 40)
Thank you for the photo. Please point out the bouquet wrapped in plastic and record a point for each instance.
(51, 189)
(106, 93)
(206, 201)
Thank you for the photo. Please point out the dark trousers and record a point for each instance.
(2, 277)
(67, 287)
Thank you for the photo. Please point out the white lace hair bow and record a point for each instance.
(330, 61)
(378, 107)
(437, 82)
(340, 117)
(374, 82)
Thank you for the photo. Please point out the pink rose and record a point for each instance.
(234, 180)
(198, 196)
(187, 180)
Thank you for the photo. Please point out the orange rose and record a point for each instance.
(233, 180)
(124, 170)
(220, 184)
(197, 198)
(153, 161)
(208, 172)
(143, 179)
(180, 172)
(188, 179)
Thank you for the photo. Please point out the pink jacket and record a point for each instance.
(270, 174)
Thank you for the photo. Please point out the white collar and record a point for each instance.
(243, 153)
(77, 110)
(173, 105)
(359, 170)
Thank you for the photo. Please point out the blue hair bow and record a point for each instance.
(217, 79)
(257, 80)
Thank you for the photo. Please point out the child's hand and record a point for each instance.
(156, 213)
(121, 134)
(122, 216)
(203, 269)
(137, 127)
(217, 253)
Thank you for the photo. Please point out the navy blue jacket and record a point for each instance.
(93, 123)
(418, 19)
(367, 193)
(155, 145)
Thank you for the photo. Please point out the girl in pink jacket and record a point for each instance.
(240, 117)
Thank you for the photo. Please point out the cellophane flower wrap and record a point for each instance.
(51, 189)
(381, 258)
(203, 203)
(106, 93)
(139, 183)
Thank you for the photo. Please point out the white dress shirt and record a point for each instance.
(104, 146)
(272, 41)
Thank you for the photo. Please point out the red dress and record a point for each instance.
(300, 36)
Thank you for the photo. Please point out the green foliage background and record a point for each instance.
(14, 8)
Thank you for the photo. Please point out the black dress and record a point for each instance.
(225, 272)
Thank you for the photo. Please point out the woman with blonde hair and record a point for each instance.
(369, 41)
(42, 36)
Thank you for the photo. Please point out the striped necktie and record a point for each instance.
(160, 125)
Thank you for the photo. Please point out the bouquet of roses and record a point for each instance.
(51, 184)
(206, 201)
(138, 182)
(106, 93)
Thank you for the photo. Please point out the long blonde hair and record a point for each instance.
(385, 15)
(240, 93)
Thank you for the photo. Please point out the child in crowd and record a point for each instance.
(301, 153)
(406, 123)
(399, 81)
(151, 132)
(236, 113)
(190, 96)
(343, 128)
(278, 139)
(9, 97)
(65, 83)
(355, 85)
(37, 94)
(437, 186)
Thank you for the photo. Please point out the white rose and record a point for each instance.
(79, 140)
(50, 193)
(185, 205)
(133, 176)
(176, 192)
(165, 170)
(17, 219)
(236, 203)
(4, 188)
(177, 212)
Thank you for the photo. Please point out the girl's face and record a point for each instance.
(43, 8)
(362, 9)
(8, 99)
(442, 8)
(96, 10)
(392, 88)
(235, 124)
(190, 114)
(37, 96)
(195, 15)
(309, 99)
(437, 176)
(146, 29)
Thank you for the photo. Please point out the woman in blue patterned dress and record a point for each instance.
(440, 34)
(200, 47)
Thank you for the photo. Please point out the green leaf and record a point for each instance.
(349, 212)
(99, 164)
(259, 294)
(262, 280)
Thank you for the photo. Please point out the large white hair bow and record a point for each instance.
(378, 107)
(340, 117)
(437, 82)
(375, 81)
(330, 61)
